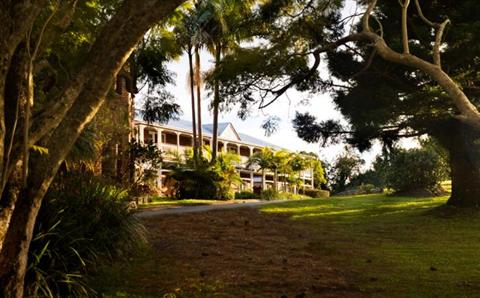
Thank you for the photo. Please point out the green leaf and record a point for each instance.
(40, 150)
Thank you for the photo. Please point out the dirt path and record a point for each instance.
(239, 252)
(165, 210)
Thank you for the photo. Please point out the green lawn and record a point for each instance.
(163, 202)
(381, 246)
(403, 247)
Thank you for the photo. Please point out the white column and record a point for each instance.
(141, 133)
(225, 147)
(238, 149)
(178, 142)
(159, 138)
(251, 150)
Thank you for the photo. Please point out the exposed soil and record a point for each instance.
(239, 253)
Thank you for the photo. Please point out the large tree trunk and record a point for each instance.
(462, 143)
(216, 104)
(15, 91)
(13, 260)
(83, 99)
(16, 19)
(465, 173)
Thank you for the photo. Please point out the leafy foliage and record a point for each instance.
(288, 32)
(415, 169)
(271, 125)
(198, 183)
(317, 193)
(224, 165)
(202, 179)
(81, 223)
(288, 164)
(147, 161)
(245, 195)
(344, 169)
(160, 107)
(269, 195)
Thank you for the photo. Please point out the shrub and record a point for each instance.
(269, 195)
(369, 188)
(291, 196)
(415, 169)
(81, 223)
(245, 195)
(317, 193)
(196, 184)
(205, 180)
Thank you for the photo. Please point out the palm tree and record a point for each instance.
(185, 32)
(223, 33)
(263, 160)
(198, 82)
(297, 164)
(208, 24)
(225, 167)
(201, 14)
(280, 163)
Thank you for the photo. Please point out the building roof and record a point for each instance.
(225, 131)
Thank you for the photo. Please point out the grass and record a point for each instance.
(357, 246)
(162, 201)
(447, 185)
(403, 247)
(158, 201)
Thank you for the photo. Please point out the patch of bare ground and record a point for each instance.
(239, 253)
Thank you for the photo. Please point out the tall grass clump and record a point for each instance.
(82, 224)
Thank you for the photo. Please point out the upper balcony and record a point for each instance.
(178, 143)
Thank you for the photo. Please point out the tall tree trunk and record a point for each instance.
(465, 174)
(216, 104)
(463, 145)
(15, 91)
(192, 94)
(17, 242)
(16, 17)
(198, 79)
(76, 109)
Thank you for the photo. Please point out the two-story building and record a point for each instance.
(176, 137)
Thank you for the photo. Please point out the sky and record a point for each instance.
(320, 105)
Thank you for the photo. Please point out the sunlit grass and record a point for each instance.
(396, 246)
(447, 185)
(164, 202)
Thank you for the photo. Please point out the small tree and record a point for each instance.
(224, 166)
(202, 179)
(147, 161)
(263, 160)
(344, 169)
(296, 164)
(319, 175)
